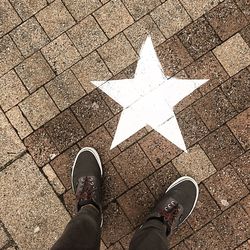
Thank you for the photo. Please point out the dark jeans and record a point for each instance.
(83, 232)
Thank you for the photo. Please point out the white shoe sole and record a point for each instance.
(186, 178)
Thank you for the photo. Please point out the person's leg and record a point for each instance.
(172, 210)
(83, 232)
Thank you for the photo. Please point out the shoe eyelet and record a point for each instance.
(169, 206)
(173, 203)
(166, 209)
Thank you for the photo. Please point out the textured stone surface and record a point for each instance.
(239, 56)
(170, 17)
(38, 206)
(34, 72)
(3, 237)
(113, 17)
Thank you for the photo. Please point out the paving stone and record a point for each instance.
(64, 130)
(180, 246)
(115, 224)
(101, 140)
(111, 126)
(125, 241)
(91, 68)
(61, 53)
(41, 147)
(197, 8)
(138, 32)
(9, 18)
(133, 165)
(207, 67)
(113, 17)
(87, 36)
(53, 179)
(180, 234)
(65, 89)
(226, 19)
(137, 203)
(245, 203)
(192, 127)
(113, 186)
(27, 8)
(81, 8)
(245, 34)
(38, 108)
(195, 163)
(173, 56)
(199, 38)
(160, 180)
(122, 54)
(9, 55)
(221, 147)
(234, 226)
(116, 246)
(34, 72)
(29, 37)
(11, 248)
(158, 149)
(245, 7)
(240, 126)
(3, 238)
(239, 56)
(236, 88)
(11, 145)
(241, 165)
(226, 187)
(207, 238)
(69, 199)
(102, 246)
(170, 17)
(244, 246)
(91, 111)
(140, 8)
(19, 122)
(33, 211)
(12, 90)
(55, 19)
(205, 210)
(214, 109)
(62, 165)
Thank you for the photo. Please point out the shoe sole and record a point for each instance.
(186, 178)
(96, 155)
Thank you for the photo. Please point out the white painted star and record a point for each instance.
(149, 98)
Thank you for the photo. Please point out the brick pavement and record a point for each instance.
(49, 52)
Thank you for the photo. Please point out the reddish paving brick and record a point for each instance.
(92, 111)
(227, 19)
(192, 127)
(234, 226)
(111, 126)
(221, 147)
(159, 181)
(101, 140)
(205, 210)
(173, 56)
(240, 126)
(236, 88)
(137, 203)
(115, 224)
(69, 199)
(41, 147)
(113, 185)
(214, 109)
(64, 130)
(62, 165)
(241, 165)
(245, 7)
(207, 238)
(199, 37)
(133, 165)
(226, 187)
(158, 149)
(180, 234)
(207, 67)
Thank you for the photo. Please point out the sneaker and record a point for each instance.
(86, 178)
(177, 203)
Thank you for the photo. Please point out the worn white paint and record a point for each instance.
(149, 98)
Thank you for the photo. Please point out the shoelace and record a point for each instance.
(86, 188)
(170, 212)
